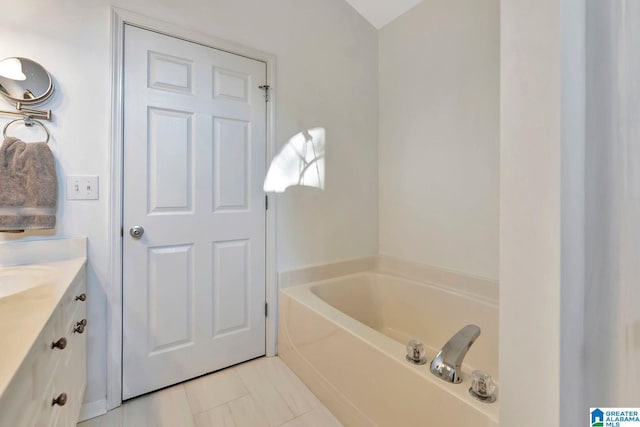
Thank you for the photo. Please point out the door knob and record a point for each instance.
(136, 231)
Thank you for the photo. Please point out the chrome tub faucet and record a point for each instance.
(447, 362)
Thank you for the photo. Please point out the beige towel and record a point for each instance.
(28, 186)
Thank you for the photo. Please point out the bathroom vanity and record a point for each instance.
(43, 332)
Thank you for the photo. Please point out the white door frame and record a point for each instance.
(120, 17)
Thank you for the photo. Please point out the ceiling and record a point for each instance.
(380, 12)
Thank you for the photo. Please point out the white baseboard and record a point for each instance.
(92, 409)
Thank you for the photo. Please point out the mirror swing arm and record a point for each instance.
(27, 114)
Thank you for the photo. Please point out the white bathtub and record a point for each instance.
(346, 338)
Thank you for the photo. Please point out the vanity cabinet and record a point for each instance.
(48, 387)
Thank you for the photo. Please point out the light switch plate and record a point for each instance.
(82, 187)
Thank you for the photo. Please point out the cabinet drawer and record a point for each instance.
(72, 377)
(74, 316)
(47, 358)
(76, 296)
(21, 394)
(49, 415)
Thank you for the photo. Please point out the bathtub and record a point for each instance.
(346, 339)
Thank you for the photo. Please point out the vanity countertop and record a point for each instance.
(23, 315)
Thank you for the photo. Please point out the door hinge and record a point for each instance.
(266, 309)
(266, 202)
(267, 92)
(121, 231)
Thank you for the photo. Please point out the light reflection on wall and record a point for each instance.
(299, 162)
(11, 68)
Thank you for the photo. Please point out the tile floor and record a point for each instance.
(263, 392)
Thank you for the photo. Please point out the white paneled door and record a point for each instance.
(194, 210)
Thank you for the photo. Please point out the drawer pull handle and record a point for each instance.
(60, 400)
(81, 297)
(79, 327)
(83, 322)
(60, 344)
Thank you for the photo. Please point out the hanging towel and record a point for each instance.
(28, 186)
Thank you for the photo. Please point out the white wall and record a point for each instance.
(573, 216)
(439, 136)
(327, 76)
(613, 204)
(601, 244)
(542, 212)
(530, 209)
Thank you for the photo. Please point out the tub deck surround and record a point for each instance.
(403, 310)
(346, 339)
(478, 287)
(314, 273)
(24, 314)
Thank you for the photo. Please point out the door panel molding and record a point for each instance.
(120, 18)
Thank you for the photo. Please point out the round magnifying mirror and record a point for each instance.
(23, 80)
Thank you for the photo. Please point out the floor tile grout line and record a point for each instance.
(257, 407)
(223, 403)
(190, 404)
(244, 386)
(315, 404)
(282, 396)
(297, 416)
(316, 400)
(268, 380)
